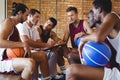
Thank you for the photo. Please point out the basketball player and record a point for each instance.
(110, 28)
(92, 23)
(30, 34)
(46, 33)
(9, 38)
(75, 27)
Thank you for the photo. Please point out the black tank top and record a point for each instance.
(45, 35)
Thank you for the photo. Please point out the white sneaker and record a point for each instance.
(39, 79)
(58, 76)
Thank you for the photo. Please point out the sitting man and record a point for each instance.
(9, 38)
(46, 33)
(76, 26)
(29, 34)
(110, 28)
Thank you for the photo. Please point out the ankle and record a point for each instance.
(63, 69)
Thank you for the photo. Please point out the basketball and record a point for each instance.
(96, 54)
(77, 41)
(15, 52)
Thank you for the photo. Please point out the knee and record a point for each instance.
(30, 65)
(74, 58)
(70, 70)
(70, 73)
(70, 57)
(43, 56)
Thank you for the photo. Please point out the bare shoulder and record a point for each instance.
(7, 22)
(52, 33)
(7, 25)
(112, 17)
(110, 20)
(6, 28)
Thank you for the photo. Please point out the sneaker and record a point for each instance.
(40, 77)
(59, 76)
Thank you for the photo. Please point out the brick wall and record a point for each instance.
(51, 8)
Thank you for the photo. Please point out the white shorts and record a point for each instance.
(6, 66)
(111, 74)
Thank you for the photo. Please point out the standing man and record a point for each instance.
(110, 28)
(9, 38)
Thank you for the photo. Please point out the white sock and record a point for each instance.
(63, 69)
(45, 78)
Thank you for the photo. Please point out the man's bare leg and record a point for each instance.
(83, 72)
(42, 61)
(24, 65)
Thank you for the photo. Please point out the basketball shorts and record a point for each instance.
(52, 59)
(50, 54)
(111, 74)
(6, 66)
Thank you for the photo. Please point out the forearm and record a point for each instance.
(37, 44)
(10, 44)
(65, 39)
(93, 37)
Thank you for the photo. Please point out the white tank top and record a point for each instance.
(116, 43)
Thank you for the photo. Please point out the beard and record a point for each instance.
(21, 20)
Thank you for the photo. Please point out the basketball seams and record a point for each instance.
(14, 52)
(107, 46)
(98, 51)
(92, 59)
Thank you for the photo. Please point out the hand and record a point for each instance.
(79, 34)
(51, 42)
(80, 46)
(27, 50)
(60, 42)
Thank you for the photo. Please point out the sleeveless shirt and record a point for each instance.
(116, 43)
(74, 30)
(44, 35)
(14, 36)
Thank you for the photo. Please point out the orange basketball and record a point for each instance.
(15, 52)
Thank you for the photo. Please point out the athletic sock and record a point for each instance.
(46, 78)
(63, 69)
